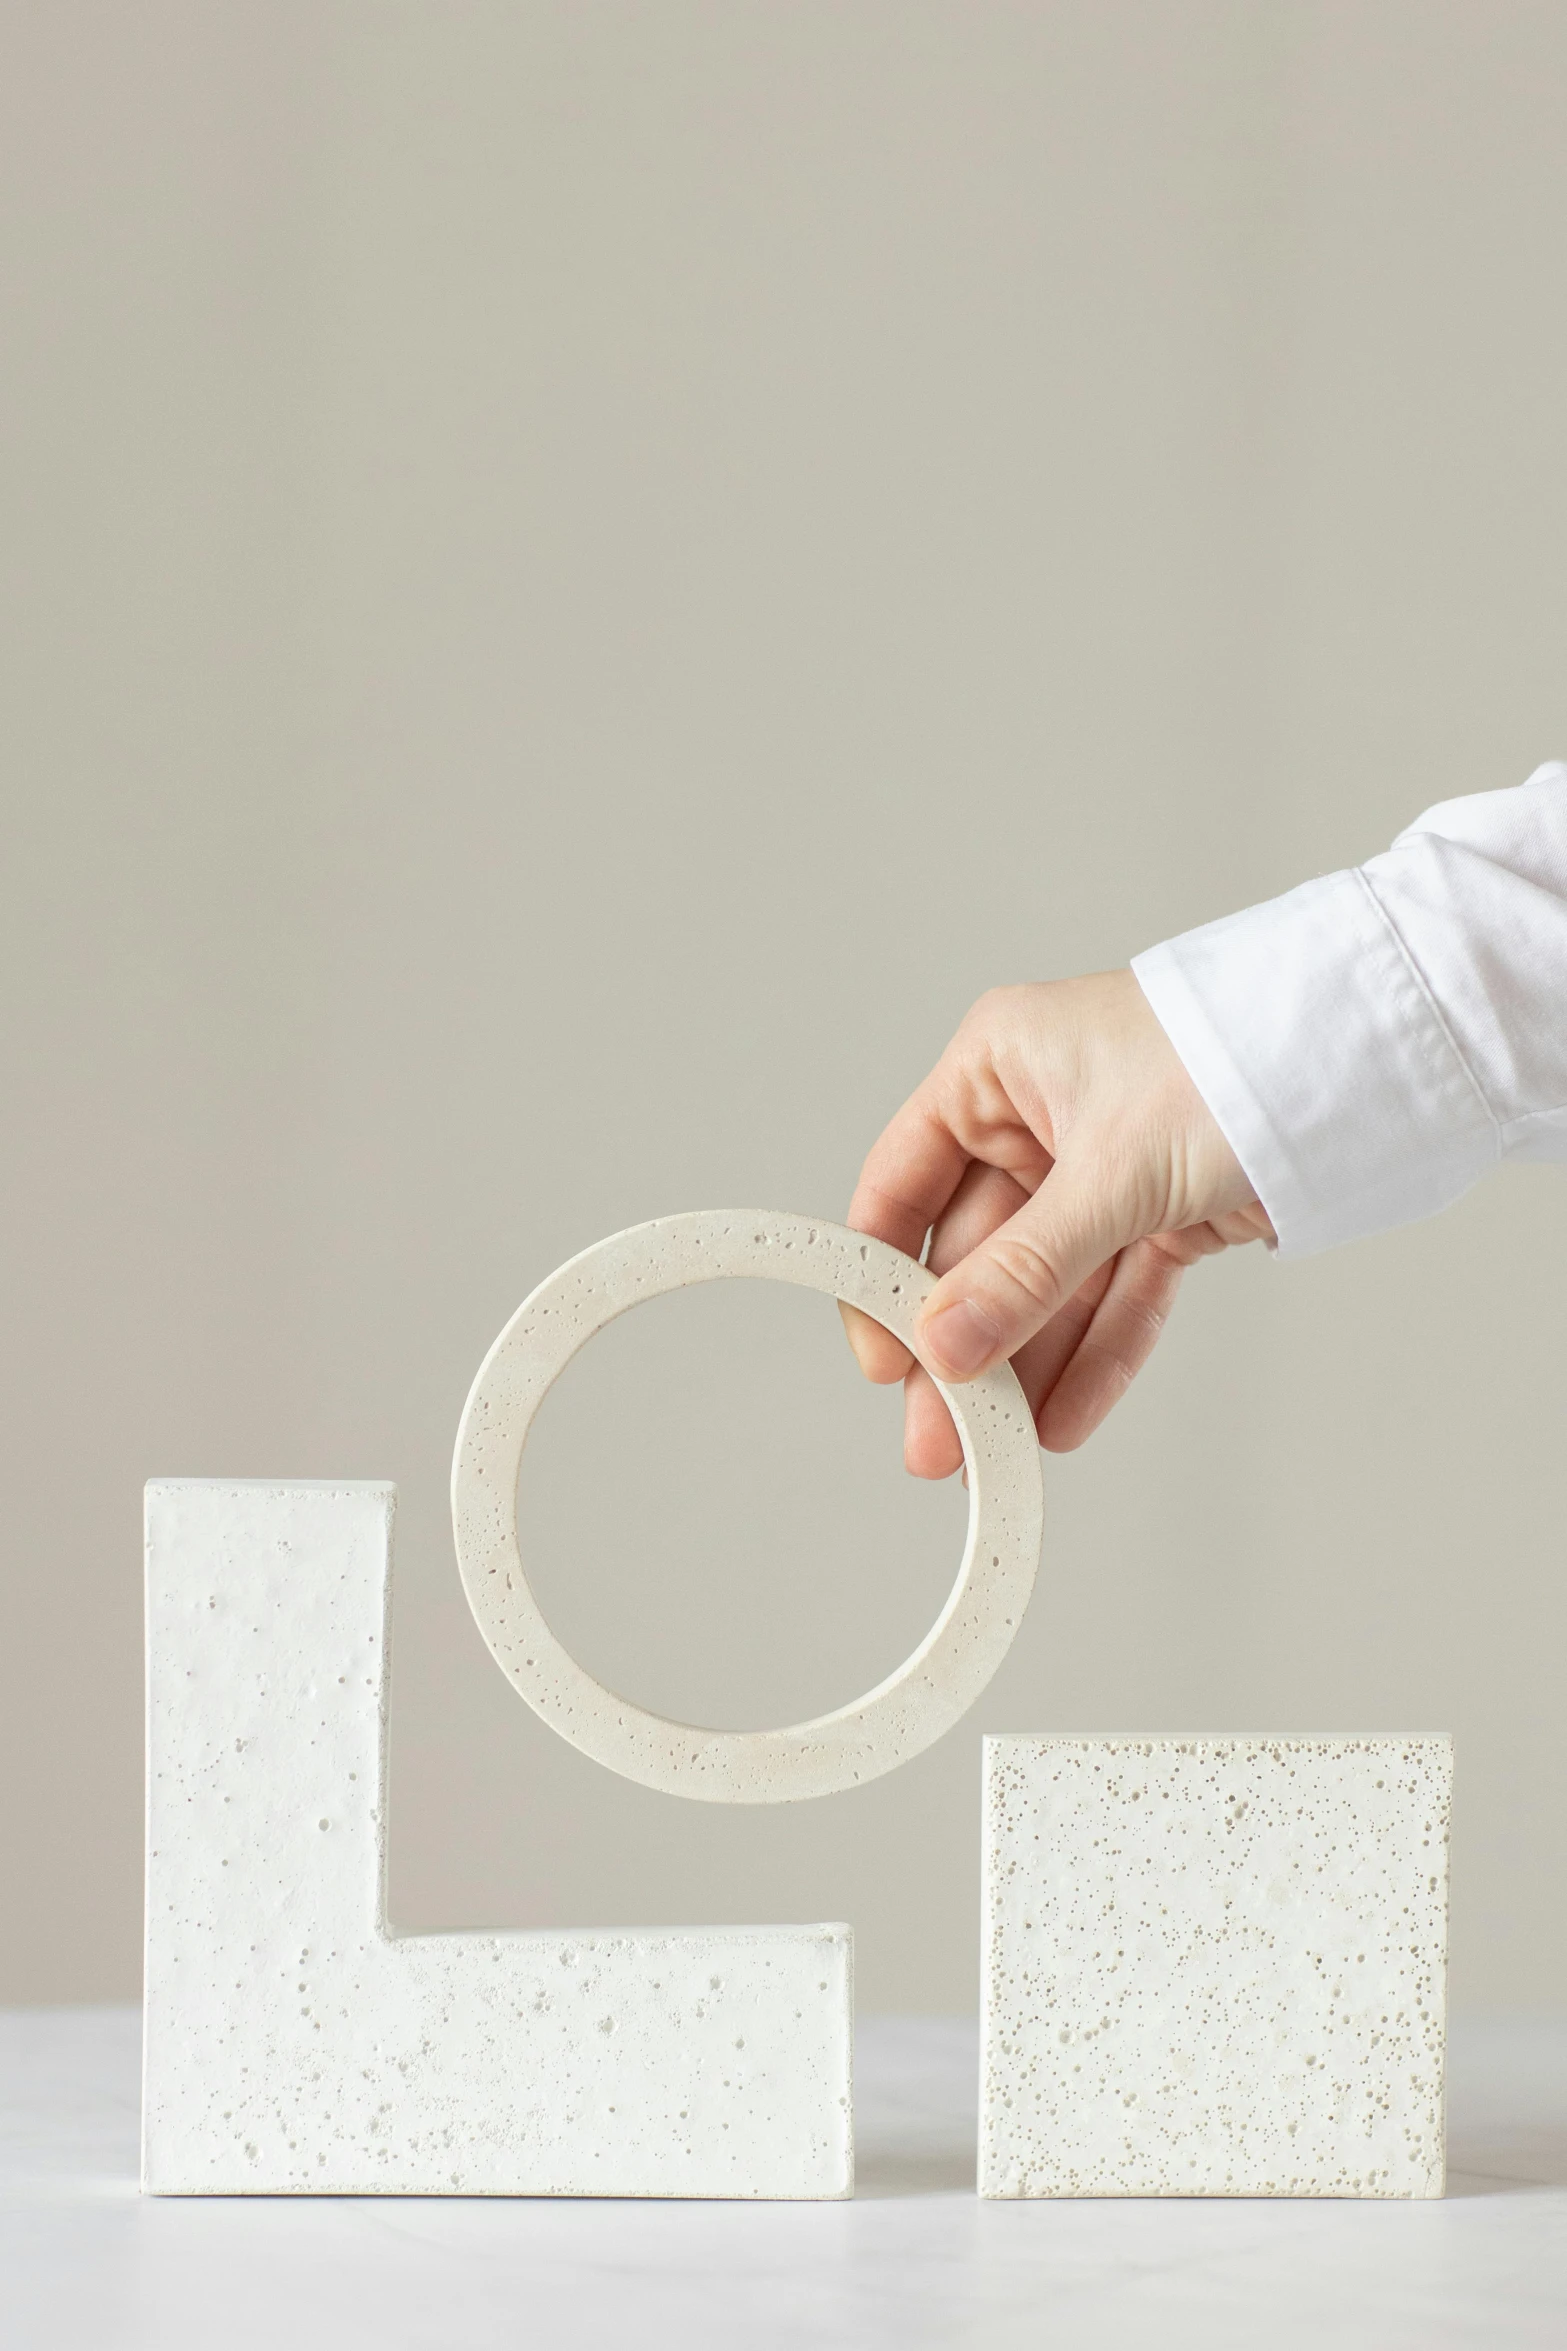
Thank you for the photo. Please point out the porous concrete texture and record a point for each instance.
(296, 2043)
(1214, 1966)
(915, 1705)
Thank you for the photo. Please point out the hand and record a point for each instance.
(1067, 1172)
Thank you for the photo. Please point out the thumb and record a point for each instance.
(998, 1296)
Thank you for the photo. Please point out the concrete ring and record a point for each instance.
(905, 1713)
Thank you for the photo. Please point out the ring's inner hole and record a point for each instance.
(715, 1517)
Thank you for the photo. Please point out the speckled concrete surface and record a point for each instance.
(1214, 1966)
(915, 1705)
(295, 2044)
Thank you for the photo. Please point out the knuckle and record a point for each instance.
(1023, 1262)
(1144, 1323)
(993, 1009)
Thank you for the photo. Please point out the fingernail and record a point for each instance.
(961, 1339)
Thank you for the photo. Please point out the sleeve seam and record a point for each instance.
(1435, 1009)
(1529, 1118)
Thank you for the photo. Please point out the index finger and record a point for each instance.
(909, 1176)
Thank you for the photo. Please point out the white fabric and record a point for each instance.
(1372, 1042)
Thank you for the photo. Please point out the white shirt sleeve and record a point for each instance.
(1372, 1042)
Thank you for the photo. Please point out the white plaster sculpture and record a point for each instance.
(913, 1706)
(1214, 1966)
(295, 2042)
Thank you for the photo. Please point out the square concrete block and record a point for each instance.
(297, 2043)
(1214, 1966)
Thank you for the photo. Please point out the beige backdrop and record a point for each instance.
(580, 579)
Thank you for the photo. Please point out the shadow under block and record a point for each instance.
(1214, 1966)
(297, 2043)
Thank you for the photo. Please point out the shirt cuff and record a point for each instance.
(1312, 1038)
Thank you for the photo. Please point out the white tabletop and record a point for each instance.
(87, 2264)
